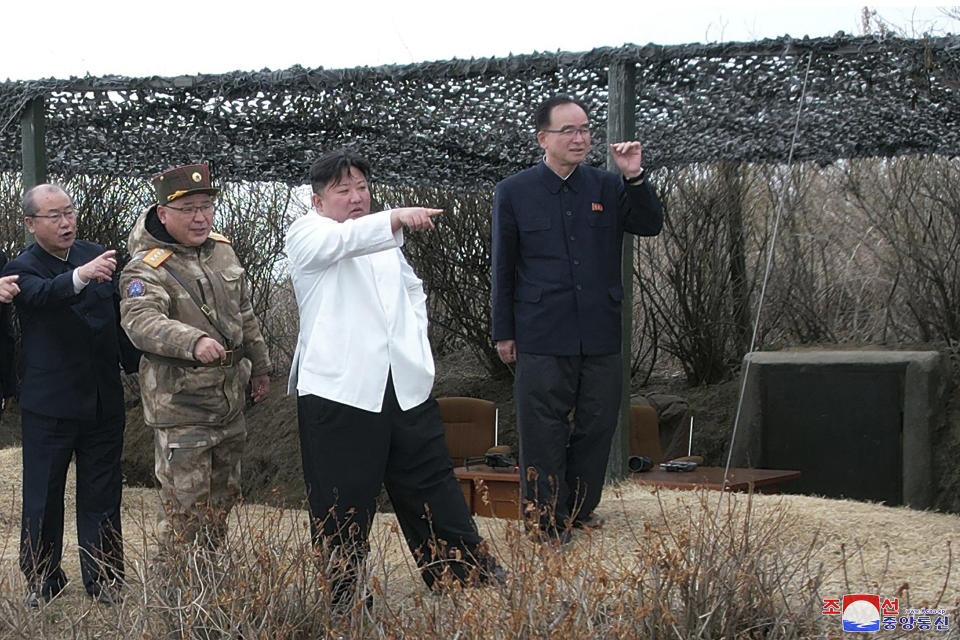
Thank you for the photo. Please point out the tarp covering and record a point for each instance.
(467, 123)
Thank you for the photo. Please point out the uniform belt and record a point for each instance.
(232, 359)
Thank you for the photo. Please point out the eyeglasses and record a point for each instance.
(66, 214)
(194, 209)
(570, 131)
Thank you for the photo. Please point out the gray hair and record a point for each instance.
(29, 203)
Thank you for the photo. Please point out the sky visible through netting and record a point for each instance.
(465, 124)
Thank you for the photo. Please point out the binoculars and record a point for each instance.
(643, 463)
(495, 458)
(639, 463)
(499, 460)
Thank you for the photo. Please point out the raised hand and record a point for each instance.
(629, 157)
(9, 288)
(415, 218)
(100, 268)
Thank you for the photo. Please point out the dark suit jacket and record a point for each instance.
(72, 344)
(556, 257)
(8, 381)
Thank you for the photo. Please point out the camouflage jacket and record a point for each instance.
(162, 319)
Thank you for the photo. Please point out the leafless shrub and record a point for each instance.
(866, 253)
(255, 216)
(911, 210)
(693, 279)
(699, 578)
(266, 581)
(711, 565)
(454, 263)
(824, 286)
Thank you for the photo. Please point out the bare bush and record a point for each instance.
(11, 215)
(708, 571)
(694, 282)
(868, 252)
(911, 208)
(255, 216)
(454, 263)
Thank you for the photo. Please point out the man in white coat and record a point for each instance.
(363, 373)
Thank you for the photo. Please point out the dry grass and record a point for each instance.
(667, 564)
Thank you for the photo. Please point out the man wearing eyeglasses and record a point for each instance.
(557, 235)
(186, 304)
(71, 399)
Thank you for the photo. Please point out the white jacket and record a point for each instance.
(362, 313)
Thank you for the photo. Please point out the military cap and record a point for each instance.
(183, 181)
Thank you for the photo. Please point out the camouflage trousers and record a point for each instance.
(199, 472)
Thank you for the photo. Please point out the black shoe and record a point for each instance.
(343, 595)
(494, 575)
(593, 521)
(42, 595)
(107, 594)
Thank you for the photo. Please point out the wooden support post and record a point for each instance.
(33, 147)
(621, 126)
(34, 150)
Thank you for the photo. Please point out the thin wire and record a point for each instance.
(763, 287)
(15, 112)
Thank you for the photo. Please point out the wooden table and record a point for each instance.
(496, 493)
(738, 479)
(489, 491)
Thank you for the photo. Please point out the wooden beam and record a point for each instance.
(34, 130)
(33, 148)
(621, 126)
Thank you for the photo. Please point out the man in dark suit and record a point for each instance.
(71, 398)
(557, 236)
(8, 380)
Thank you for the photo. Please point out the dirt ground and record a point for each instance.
(862, 547)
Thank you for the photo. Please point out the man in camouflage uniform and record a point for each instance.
(186, 306)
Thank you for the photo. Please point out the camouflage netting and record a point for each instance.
(466, 123)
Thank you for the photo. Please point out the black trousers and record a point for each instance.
(349, 453)
(48, 445)
(563, 464)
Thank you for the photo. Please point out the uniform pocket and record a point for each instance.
(185, 467)
(600, 219)
(231, 277)
(189, 441)
(201, 397)
(527, 293)
(103, 289)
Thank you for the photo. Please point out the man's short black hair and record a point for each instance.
(330, 166)
(541, 119)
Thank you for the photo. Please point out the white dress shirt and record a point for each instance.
(362, 313)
